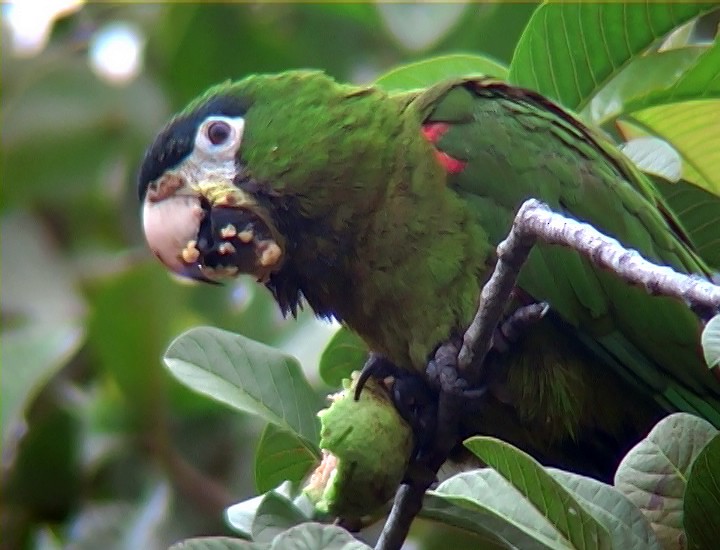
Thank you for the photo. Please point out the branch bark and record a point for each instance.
(536, 221)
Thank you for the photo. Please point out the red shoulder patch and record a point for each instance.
(433, 131)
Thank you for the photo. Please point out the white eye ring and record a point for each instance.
(219, 137)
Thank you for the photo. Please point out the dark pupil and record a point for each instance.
(218, 132)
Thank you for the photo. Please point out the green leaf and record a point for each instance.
(711, 342)
(447, 511)
(564, 512)
(699, 81)
(570, 51)
(483, 502)
(654, 473)
(217, 543)
(345, 353)
(431, 71)
(655, 157)
(656, 79)
(315, 536)
(248, 376)
(274, 515)
(627, 526)
(281, 456)
(697, 210)
(241, 516)
(691, 128)
(701, 507)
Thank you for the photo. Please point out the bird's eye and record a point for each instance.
(218, 132)
(218, 138)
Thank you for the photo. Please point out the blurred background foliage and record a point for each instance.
(100, 447)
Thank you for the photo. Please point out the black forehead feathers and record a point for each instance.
(177, 139)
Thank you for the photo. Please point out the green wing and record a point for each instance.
(518, 145)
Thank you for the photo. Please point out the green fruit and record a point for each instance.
(366, 447)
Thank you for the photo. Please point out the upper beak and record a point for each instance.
(172, 213)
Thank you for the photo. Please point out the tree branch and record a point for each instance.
(533, 221)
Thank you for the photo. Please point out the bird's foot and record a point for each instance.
(434, 405)
(454, 395)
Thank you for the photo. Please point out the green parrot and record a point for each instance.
(383, 210)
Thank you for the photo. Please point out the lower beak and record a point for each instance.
(195, 273)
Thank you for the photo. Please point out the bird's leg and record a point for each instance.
(416, 397)
(454, 395)
(442, 368)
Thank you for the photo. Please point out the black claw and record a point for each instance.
(516, 325)
(377, 367)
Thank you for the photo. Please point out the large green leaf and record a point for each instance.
(701, 504)
(484, 503)
(306, 536)
(625, 523)
(428, 72)
(698, 210)
(281, 456)
(577, 527)
(646, 82)
(654, 473)
(569, 51)
(248, 376)
(691, 128)
(658, 78)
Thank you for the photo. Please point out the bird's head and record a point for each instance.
(269, 172)
(197, 219)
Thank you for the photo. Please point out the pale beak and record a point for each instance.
(172, 213)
